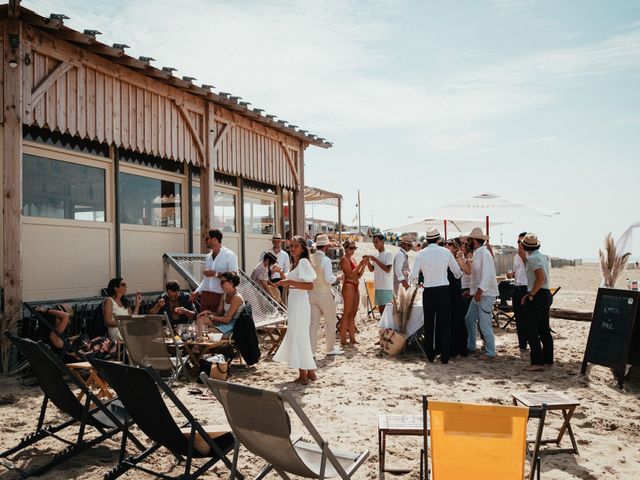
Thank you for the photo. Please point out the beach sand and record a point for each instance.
(355, 388)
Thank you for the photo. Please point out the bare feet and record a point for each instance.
(301, 381)
(354, 341)
(311, 375)
(534, 368)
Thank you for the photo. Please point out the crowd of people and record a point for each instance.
(457, 277)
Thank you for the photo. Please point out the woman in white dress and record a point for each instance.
(296, 346)
(117, 304)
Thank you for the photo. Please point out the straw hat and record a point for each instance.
(477, 234)
(433, 233)
(531, 240)
(276, 236)
(406, 239)
(322, 240)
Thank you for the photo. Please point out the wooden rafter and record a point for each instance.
(220, 135)
(38, 92)
(192, 129)
(292, 164)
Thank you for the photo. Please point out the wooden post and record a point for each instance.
(207, 177)
(12, 159)
(299, 195)
(340, 220)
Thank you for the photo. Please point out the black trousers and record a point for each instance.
(536, 314)
(458, 326)
(516, 298)
(436, 303)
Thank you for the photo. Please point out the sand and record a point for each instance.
(353, 389)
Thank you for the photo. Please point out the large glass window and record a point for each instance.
(259, 215)
(57, 189)
(195, 207)
(149, 201)
(224, 211)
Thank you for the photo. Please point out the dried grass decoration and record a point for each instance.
(402, 307)
(611, 262)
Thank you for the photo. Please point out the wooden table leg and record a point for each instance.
(566, 426)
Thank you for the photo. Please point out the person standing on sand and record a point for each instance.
(401, 264)
(296, 346)
(382, 268)
(352, 272)
(321, 298)
(433, 263)
(484, 290)
(536, 305)
(519, 291)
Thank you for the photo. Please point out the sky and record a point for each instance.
(427, 102)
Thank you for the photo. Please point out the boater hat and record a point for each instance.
(433, 234)
(530, 240)
(406, 239)
(477, 234)
(322, 240)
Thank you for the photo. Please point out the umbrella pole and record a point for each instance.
(445, 230)
(487, 220)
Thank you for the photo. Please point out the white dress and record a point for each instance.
(296, 346)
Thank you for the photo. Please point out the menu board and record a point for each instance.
(611, 337)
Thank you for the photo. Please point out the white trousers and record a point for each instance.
(322, 304)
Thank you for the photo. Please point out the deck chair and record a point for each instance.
(143, 337)
(509, 314)
(140, 390)
(45, 324)
(260, 422)
(477, 441)
(107, 418)
(371, 299)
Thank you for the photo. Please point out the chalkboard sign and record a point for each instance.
(612, 334)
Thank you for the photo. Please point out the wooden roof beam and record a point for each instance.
(54, 22)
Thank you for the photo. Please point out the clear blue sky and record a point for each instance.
(427, 102)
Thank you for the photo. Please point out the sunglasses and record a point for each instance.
(352, 248)
(122, 285)
(222, 281)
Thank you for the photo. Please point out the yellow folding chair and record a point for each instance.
(475, 441)
(371, 299)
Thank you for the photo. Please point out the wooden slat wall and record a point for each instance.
(242, 151)
(91, 104)
(104, 102)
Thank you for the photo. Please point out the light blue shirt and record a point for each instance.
(535, 261)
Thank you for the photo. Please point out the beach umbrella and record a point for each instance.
(458, 226)
(489, 205)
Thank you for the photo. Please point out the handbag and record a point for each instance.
(219, 371)
(391, 342)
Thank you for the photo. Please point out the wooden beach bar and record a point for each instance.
(109, 162)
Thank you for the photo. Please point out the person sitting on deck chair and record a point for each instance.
(263, 275)
(58, 317)
(229, 309)
(175, 305)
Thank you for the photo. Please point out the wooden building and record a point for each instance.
(108, 162)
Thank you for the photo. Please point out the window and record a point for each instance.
(259, 215)
(195, 207)
(149, 201)
(224, 211)
(57, 189)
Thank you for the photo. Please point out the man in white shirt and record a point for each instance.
(381, 266)
(484, 290)
(282, 257)
(519, 291)
(321, 298)
(401, 264)
(433, 262)
(218, 261)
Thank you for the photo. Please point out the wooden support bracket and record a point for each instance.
(39, 91)
(192, 129)
(292, 164)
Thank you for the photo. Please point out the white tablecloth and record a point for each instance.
(416, 319)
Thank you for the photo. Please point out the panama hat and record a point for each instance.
(477, 234)
(322, 240)
(531, 240)
(276, 236)
(406, 239)
(433, 233)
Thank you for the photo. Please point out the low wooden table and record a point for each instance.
(396, 425)
(276, 334)
(195, 354)
(554, 401)
(93, 380)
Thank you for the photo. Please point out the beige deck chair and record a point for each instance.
(143, 337)
(260, 422)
